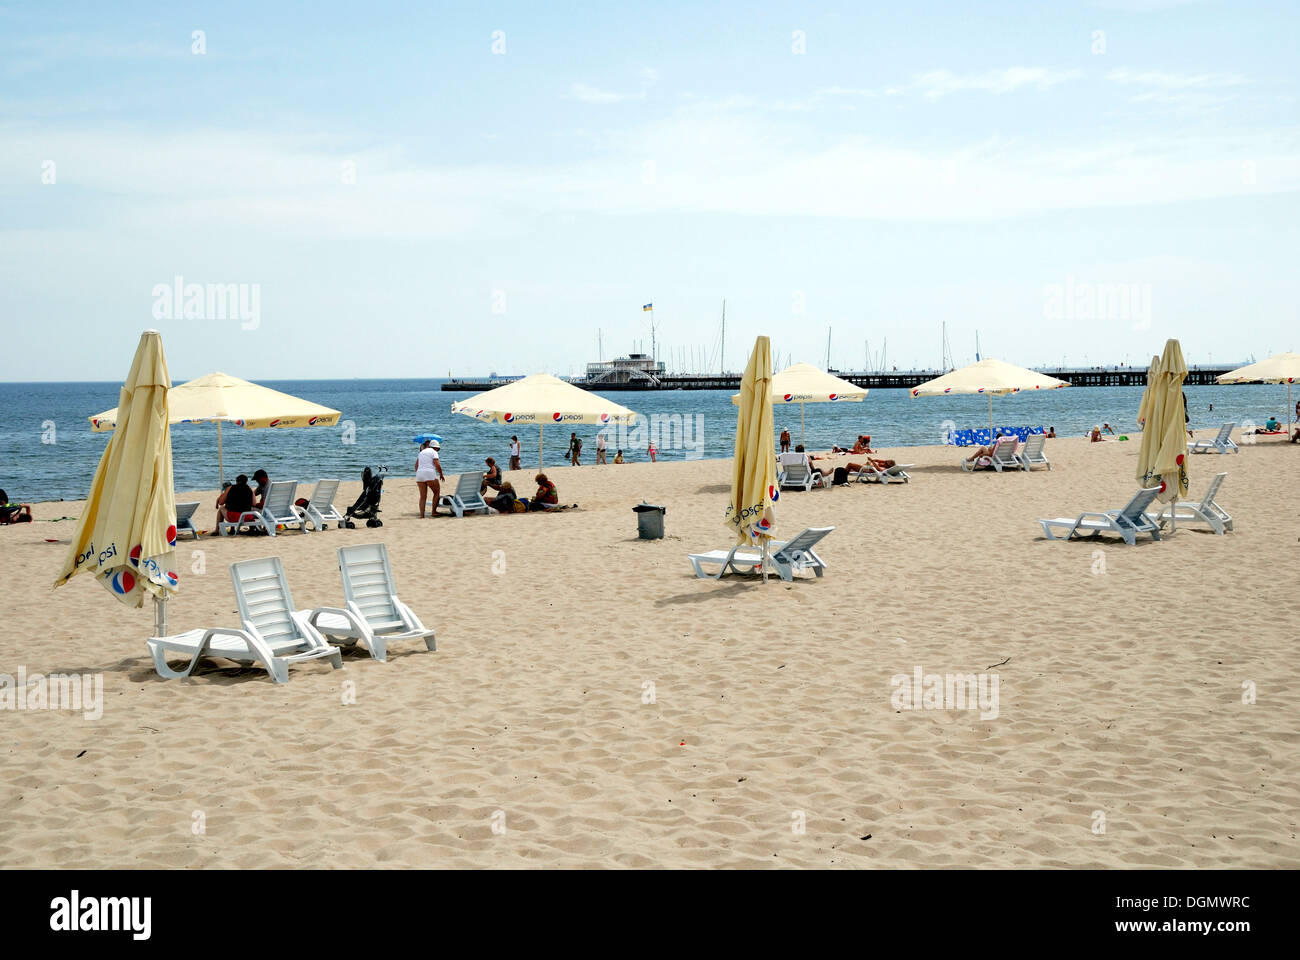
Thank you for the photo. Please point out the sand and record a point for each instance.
(524, 741)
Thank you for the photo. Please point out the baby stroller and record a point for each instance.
(367, 506)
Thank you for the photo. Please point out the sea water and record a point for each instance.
(47, 450)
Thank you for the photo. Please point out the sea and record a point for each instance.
(47, 450)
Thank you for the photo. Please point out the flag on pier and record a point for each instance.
(648, 306)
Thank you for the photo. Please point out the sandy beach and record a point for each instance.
(524, 741)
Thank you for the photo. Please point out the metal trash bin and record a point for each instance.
(649, 520)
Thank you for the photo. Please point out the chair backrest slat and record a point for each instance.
(279, 498)
(1034, 446)
(1138, 505)
(803, 541)
(1225, 432)
(368, 581)
(262, 592)
(1213, 488)
(322, 497)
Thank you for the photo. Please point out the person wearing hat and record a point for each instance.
(428, 473)
(785, 439)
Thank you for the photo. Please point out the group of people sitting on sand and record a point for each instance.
(508, 501)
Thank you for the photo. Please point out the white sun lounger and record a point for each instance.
(277, 510)
(871, 474)
(374, 615)
(1002, 456)
(1126, 523)
(466, 498)
(274, 634)
(1205, 510)
(796, 473)
(786, 557)
(1032, 455)
(1223, 443)
(185, 519)
(320, 509)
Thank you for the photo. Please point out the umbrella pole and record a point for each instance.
(766, 554)
(803, 440)
(990, 418)
(541, 429)
(221, 463)
(159, 617)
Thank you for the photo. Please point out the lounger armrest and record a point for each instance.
(412, 621)
(352, 617)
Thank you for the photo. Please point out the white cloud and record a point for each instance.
(941, 83)
(1175, 81)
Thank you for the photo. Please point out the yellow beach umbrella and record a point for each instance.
(1144, 408)
(802, 383)
(991, 377)
(753, 471)
(542, 399)
(1162, 457)
(126, 536)
(220, 398)
(1283, 368)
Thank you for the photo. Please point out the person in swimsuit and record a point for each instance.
(492, 477)
(235, 501)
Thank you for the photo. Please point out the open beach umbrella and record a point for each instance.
(1162, 458)
(542, 399)
(1283, 368)
(427, 436)
(803, 383)
(126, 535)
(988, 376)
(753, 470)
(220, 398)
(1144, 408)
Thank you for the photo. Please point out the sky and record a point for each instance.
(433, 189)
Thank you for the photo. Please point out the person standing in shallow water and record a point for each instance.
(575, 450)
(785, 440)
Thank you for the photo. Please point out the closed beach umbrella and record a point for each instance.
(803, 383)
(542, 399)
(126, 536)
(1162, 457)
(753, 472)
(1283, 368)
(1144, 408)
(220, 398)
(991, 377)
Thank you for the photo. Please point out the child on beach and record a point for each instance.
(618, 457)
(652, 451)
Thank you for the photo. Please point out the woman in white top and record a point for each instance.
(428, 471)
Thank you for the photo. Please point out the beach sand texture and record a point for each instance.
(1121, 691)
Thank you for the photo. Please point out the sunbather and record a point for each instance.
(546, 493)
(507, 501)
(492, 477)
(14, 512)
(235, 501)
(259, 492)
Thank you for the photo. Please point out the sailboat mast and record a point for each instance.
(722, 359)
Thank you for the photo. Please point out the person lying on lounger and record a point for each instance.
(984, 451)
(14, 512)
